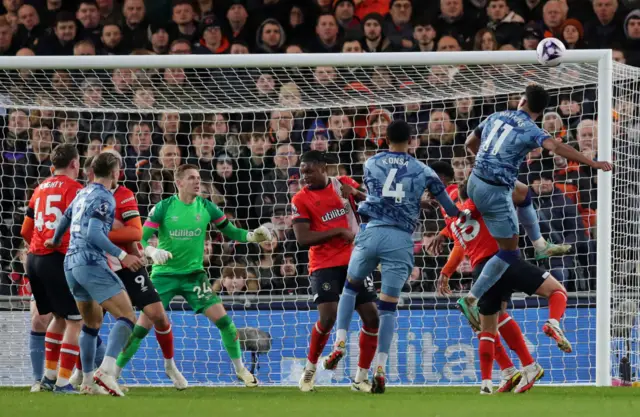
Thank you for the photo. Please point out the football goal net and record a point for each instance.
(246, 119)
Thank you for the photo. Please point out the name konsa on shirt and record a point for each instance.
(334, 214)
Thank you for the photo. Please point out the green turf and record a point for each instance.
(334, 402)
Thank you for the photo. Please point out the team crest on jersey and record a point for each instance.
(198, 217)
(174, 218)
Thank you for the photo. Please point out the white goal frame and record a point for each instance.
(603, 58)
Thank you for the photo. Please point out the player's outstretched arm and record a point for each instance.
(572, 154)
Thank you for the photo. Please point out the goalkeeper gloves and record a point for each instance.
(259, 235)
(158, 256)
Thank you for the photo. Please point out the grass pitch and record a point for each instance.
(285, 402)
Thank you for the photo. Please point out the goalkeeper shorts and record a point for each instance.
(194, 288)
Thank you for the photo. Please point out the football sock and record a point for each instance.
(368, 345)
(52, 345)
(36, 352)
(341, 337)
(319, 338)
(132, 346)
(118, 338)
(165, 340)
(385, 332)
(501, 355)
(557, 304)
(230, 340)
(69, 354)
(100, 351)
(88, 346)
(486, 351)
(493, 271)
(346, 305)
(511, 333)
(528, 218)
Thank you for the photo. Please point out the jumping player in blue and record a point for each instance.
(395, 184)
(500, 143)
(90, 280)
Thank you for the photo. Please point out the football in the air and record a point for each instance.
(550, 52)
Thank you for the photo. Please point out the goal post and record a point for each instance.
(267, 109)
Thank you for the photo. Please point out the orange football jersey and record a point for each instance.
(46, 207)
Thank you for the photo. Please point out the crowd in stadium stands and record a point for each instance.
(249, 162)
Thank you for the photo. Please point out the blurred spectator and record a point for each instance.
(111, 39)
(38, 157)
(424, 36)
(84, 47)
(531, 37)
(397, 26)
(169, 157)
(344, 12)
(485, 40)
(572, 34)
(554, 13)
(183, 22)
(456, 21)
(89, 17)
(61, 41)
(632, 34)
(234, 281)
(8, 45)
(606, 28)
(134, 29)
(158, 39)
(109, 12)
(506, 24)
(237, 19)
(138, 154)
(373, 39)
(202, 153)
(448, 43)
(30, 29)
(326, 39)
(270, 37)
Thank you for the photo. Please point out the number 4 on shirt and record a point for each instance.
(398, 193)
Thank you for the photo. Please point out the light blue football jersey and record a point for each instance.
(395, 184)
(93, 201)
(507, 137)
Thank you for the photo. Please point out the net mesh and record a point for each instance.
(246, 128)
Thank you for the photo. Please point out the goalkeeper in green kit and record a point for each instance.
(181, 223)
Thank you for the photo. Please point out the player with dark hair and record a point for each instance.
(395, 183)
(126, 233)
(91, 281)
(181, 223)
(324, 219)
(472, 235)
(45, 267)
(500, 143)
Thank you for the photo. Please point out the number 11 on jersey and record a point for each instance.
(398, 193)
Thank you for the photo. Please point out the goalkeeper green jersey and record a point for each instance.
(182, 230)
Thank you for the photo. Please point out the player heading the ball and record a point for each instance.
(500, 143)
(181, 224)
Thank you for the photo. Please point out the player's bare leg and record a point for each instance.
(555, 292)
(491, 273)
(218, 315)
(511, 376)
(39, 324)
(320, 333)
(528, 218)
